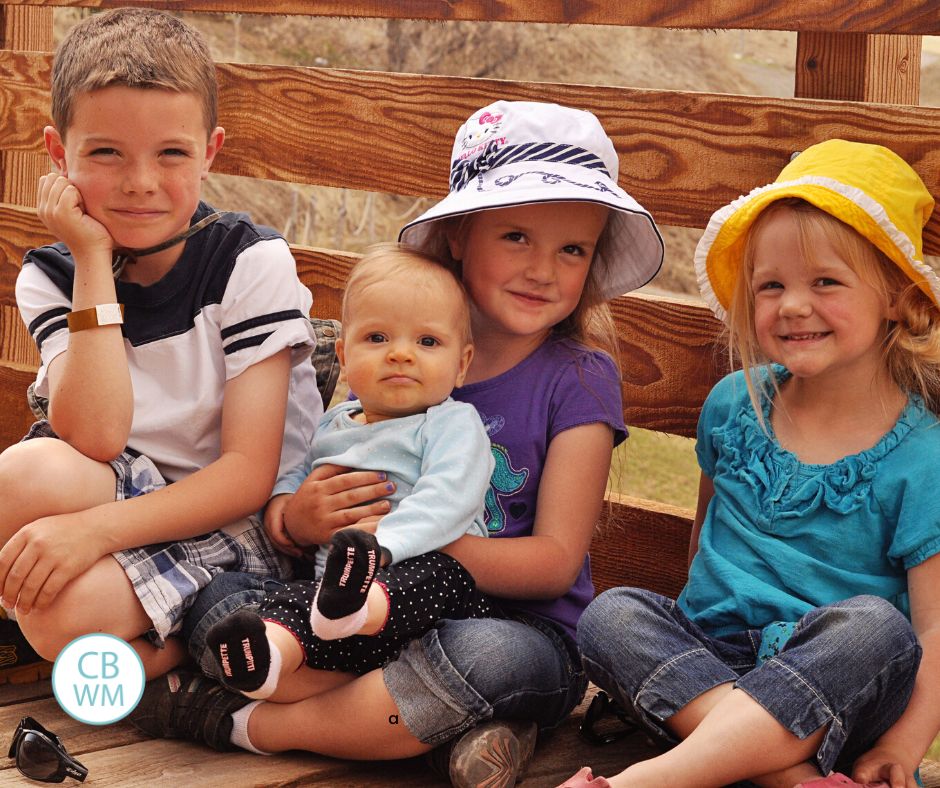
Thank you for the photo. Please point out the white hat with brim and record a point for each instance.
(514, 153)
(868, 187)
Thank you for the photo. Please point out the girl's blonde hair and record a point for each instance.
(591, 323)
(911, 344)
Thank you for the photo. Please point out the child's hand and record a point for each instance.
(61, 208)
(333, 497)
(884, 764)
(42, 557)
(275, 529)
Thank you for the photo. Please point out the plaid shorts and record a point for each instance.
(166, 577)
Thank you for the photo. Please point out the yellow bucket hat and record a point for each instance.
(868, 187)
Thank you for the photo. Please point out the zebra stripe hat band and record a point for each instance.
(514, 153)
(463, 171)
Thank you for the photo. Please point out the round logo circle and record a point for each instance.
(98, 679)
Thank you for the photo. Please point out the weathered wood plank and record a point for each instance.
(641, 543)
(79, 737)
(15, 416)
(118, 755)
(858, 67)
(681, 154)
(826, 15)
(21, 693)
(27, 29)
(671, 358)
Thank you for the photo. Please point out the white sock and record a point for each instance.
(274, 675)
(335, 628)
(240, 729)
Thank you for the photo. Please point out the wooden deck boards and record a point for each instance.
(117, 755)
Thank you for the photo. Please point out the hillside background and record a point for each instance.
(650, 465)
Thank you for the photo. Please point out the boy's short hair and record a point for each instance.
(137, 48)
(385, 261)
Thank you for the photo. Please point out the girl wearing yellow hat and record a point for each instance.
(807, 638)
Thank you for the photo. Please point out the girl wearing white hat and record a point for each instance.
(814, 583)
(542, 236)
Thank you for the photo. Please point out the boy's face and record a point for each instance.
(138, 157)
(403, 348)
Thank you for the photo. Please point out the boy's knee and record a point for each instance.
(34, 466)
(46, 632)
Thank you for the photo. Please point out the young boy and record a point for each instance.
(171, 340)
(405, 346)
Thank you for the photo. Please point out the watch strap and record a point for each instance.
(100, 315)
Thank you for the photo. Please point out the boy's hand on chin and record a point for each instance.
(61, 209)
(42, 557)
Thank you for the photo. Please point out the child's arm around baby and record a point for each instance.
(571, 494)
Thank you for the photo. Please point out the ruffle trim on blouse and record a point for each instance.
(783, 486)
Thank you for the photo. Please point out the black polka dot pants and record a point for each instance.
(421, 591)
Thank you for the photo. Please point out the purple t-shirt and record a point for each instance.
(560, 386)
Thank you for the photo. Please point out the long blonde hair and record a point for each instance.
(911, 344)
(591, 323)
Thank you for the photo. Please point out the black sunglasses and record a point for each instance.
(41, 756)
(602, 706)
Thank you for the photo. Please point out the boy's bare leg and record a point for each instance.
(46, 476)
(78, 610)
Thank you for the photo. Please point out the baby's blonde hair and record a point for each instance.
(383, 262)
(911, 344)
(136, 48)
(591, 323)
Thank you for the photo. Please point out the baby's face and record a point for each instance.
(403, 347)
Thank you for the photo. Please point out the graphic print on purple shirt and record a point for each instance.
(504, 482)
(560, 385)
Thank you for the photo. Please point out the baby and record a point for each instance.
(405, 346)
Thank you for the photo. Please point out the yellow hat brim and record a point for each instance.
(895, 230)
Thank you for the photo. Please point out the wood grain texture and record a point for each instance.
(682, 154)
(15, 416)
(825, 15)
(641, 543)
(858, 67)
(671, 357)
(21, 28)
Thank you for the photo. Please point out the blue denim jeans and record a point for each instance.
(465, 672)
(225, 593)
(849, 666)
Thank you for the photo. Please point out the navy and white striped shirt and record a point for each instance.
(232, 299)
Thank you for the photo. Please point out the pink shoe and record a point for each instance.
(836, 779)
(584, 779)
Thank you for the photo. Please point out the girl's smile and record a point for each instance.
(525, 267)
(814, 315)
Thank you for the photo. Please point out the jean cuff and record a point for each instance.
(435, 702)
(797, 706)
(682, 679)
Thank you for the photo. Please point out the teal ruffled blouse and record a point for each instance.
(781, 537)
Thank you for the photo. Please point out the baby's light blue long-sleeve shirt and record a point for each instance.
(440, 461)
